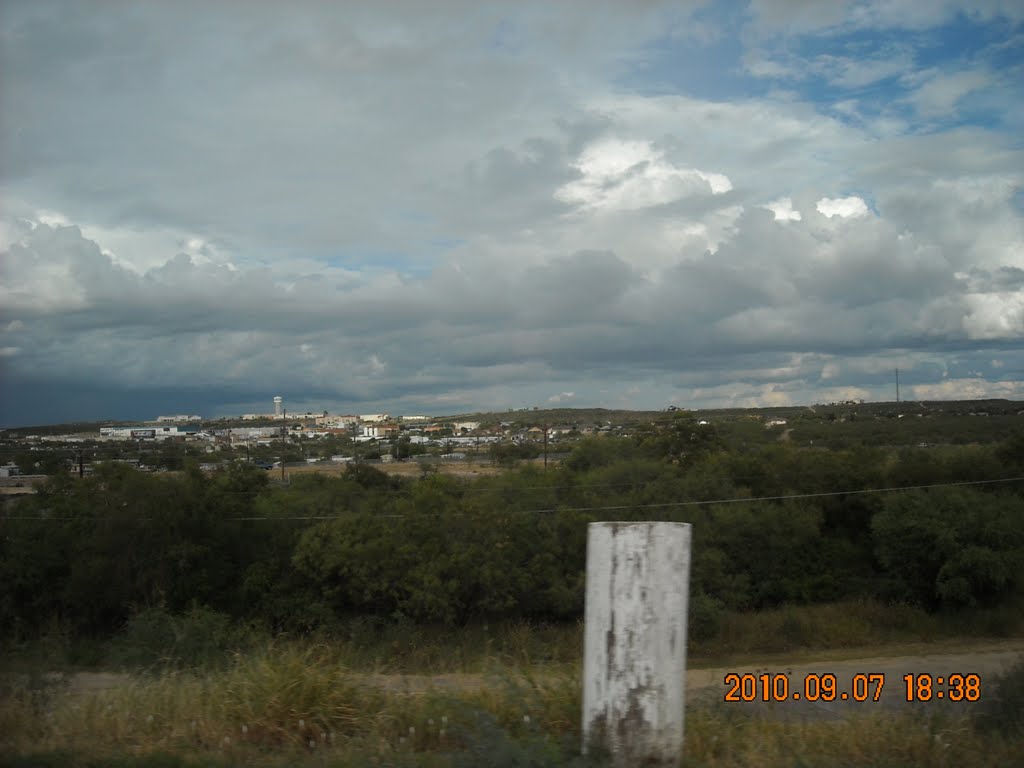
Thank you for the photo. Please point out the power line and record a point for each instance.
(659, 505)
(785, 497)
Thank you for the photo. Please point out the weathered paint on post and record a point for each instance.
(634, 654)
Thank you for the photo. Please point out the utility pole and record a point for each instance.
(545, 446)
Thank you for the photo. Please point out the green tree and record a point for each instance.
(952, 546)
(679, 439)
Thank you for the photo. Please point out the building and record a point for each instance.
(146, 432)
(380, 431)
(177, 419)
(466, 426)
(337, 422)
(374, 417)
(246, 434)
(278, 406)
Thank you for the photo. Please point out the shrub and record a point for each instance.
(155, 638)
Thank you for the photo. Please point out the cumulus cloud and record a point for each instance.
(783, 210)
(843, 207)
(968, 389)
(628, 175)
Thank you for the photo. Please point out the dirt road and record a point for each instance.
(803, 693)
(883, 685)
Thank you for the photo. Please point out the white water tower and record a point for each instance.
(277, 406)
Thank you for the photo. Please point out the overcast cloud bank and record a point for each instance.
(484, 207)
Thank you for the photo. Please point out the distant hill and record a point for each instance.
(588, 416)
(601, 416)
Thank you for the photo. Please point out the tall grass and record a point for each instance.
(285, 700)
(292, 705)
(315, 702)
(154, 640)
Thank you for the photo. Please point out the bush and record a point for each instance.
(155, 638)
(705, 620)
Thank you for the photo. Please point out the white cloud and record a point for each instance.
(783, 209)
(994, 315)
(625, 175)
(939, 93)
(843, 207)
(968, 389)
(51, 219)
(562, 397)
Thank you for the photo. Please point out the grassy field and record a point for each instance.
(309, 702)
(295, 705)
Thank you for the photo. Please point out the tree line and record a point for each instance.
(773, 525)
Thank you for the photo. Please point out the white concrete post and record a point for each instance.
(634, 649)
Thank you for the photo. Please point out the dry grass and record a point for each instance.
(304, 703)
(286, 699)
(298, 705)
(720, 737)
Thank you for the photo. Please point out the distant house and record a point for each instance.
(380, 431)
(466, 426)
(337, 422)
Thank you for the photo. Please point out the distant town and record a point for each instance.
(278, 439)
(266, 428)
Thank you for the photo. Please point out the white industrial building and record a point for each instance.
(245, 434)
(337, 422)
(146, 432)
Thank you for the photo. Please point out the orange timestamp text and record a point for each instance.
(865, 686)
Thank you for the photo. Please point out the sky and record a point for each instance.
(435, 208)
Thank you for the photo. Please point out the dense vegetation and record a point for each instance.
(774, 524)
